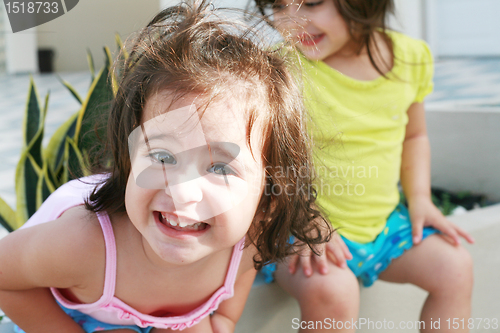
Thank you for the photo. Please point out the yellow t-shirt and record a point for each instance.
(358, 128)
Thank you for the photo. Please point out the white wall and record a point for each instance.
(92, 24)
(21, 52)
(167, 3)
(20, 49)
(465, 148)
(409, 18)
(3, 26)
(460, 28)
(219, 3)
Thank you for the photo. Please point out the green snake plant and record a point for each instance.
(40, 171)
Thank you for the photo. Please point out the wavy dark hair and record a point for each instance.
(363, 18)
(188, 49)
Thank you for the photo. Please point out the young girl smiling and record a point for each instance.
(365, 91)
(168, 232)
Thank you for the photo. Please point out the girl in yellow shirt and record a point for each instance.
(365, 87)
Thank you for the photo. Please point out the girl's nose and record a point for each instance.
(292, 17)
(186, 192)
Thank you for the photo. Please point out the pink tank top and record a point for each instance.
(108, 308)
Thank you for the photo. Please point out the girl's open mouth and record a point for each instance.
(310, 40)
(173, 223)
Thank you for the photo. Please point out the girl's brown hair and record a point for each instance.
(188, 49)
(364, 18)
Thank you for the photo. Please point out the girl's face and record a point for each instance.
(195, 185)
(315, 25)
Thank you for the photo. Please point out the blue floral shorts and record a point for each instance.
(371, 259)
(91, 325)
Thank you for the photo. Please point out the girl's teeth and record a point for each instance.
(195, 226)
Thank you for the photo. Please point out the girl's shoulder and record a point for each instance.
(62, 253)
(409, 49)
(79, 232)
(77, 229)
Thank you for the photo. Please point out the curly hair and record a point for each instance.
(188, 49)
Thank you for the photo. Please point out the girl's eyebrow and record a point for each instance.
(159, 136)
(156, 136)
(231, 151)
(228, 149)
(153, 135)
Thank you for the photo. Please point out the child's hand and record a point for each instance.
(335, 250)
(222, 324)
(423, 213)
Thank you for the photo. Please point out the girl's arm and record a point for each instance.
(35, 310)
(54, 254)
(229, 312)
(416, 181)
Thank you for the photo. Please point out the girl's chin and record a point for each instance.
(176, 256)
(314, 55)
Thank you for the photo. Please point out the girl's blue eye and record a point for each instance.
(163, 157)
(221, 169)
(277, 7)
(313, 4)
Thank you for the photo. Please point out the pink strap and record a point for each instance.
(234, 265)
(110, 270)
(110, 275)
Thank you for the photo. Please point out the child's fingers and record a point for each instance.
(337, 241)
(448, 230)
(338, 253)
(449, 239)
(347, 253)
(454, 232)
(322, 263)
(331, 256)
(417, 227)
(292, 263)
(465, 235)
(305, 262)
